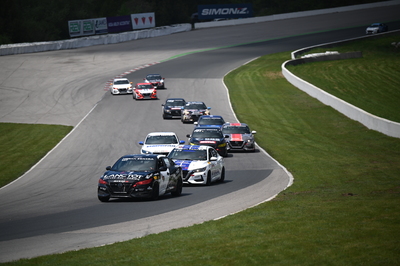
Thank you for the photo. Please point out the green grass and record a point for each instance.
(375, 76)
(343, 208)
(23, 145)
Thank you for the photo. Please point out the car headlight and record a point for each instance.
(146, 152)
(200, 170)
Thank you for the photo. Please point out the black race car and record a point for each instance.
(156, 80)
(140, 176)
(172, 108)
(193, 110)
(210, 136)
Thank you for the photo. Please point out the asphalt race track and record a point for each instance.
(54, 207)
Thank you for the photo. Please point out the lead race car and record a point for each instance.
(200, 164)
(121, 86)
(140, 176)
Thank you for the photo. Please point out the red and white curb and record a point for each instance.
(109, 82)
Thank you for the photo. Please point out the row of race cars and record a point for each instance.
(165, 163)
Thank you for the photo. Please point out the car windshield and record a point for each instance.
(119, 82)
(211, 121)
(207, 133)
(134, 164)
(175, 103)
(153, 77)
(177, 154)
(236, 130)
(146, 86)
(161, 140)
(195, 106)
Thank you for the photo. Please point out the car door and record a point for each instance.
(164, 167)
(215, 167)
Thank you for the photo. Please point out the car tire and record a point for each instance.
(103, 199)
(178, 190)
(208, 182)
(156, 191)
(222, 178)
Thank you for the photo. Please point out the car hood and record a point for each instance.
(129, 176)
(145, 90)
(159, 148)
(190, 165)
(239, 137)
(122, 86)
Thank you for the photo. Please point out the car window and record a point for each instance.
(207, 133)
(175, 103)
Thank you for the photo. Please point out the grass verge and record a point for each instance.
(343, 208)
(23, 145)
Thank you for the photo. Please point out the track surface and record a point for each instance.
(54, 207)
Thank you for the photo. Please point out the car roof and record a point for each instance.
(207, 127)
(210, 116)
(175, 99)
(191, 102)
(120, 79)
(192, 147)
(161, 134)
(140, 156)
(153, 75)
(144, 83)
(235, 124)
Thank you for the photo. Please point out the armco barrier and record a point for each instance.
(373, 122)
(22, 48)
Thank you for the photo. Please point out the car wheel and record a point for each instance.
(156, 192)
(208, 182)
(178, 191)
(103, 199)
(222, 178)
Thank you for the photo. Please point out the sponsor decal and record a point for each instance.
(207, 141)
(209, 12)
(236, 137)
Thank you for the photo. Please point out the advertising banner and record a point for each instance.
(210, 12)
(143, 21)
(87, 27)
(75, 28)
(119, 24)
(100, 25)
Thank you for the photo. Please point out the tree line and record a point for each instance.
(47, 20)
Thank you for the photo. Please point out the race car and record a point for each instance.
(200, 164)
(172, 108)
(240, 137)
(210, 121)
(144, 91)
(156, 80)
(121, 86)
(193, 110)
(140, 176)
(376, 28)
(209, 136)
(160, 143)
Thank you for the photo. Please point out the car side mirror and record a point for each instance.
(226, 136)
(181, 142)
(108, 168)
(253, 132)
(196, 123)
(188, 135)
(213, 159)
(141, 143)
(209, 108)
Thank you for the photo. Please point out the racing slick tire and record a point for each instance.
(156, 192)
(178, 190)
(222, 178)
(103, 199)
(208, 182)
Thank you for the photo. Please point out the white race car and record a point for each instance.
(121, 86)
(160, 143)
(200, 164)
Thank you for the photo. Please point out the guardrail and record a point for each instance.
(371, 121)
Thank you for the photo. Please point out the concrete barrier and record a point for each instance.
(22, 48)
(371, 121)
